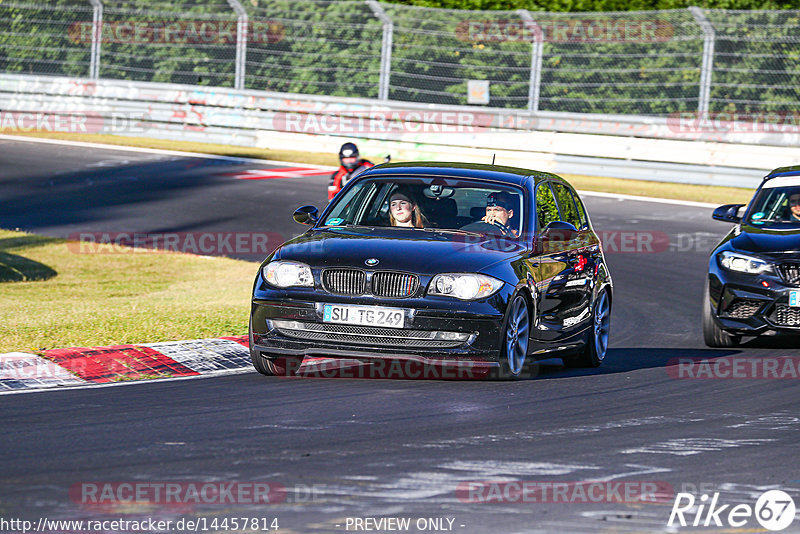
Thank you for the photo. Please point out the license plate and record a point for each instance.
(364, 315)
(794, 298)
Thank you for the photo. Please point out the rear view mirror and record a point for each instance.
(438, 191)
(728, 213)
(306, 215)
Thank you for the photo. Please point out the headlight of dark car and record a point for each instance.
(736, 261)
(288, 274)
(464, 286)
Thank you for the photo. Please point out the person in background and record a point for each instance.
(350, 167)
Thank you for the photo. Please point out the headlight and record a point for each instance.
(734, 261)
(288, 274)
(464, 286)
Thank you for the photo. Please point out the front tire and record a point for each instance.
(515, 338)
(597, 347)
(280, 366)
(713, 335)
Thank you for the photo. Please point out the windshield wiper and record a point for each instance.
(453, 231)
(346, 226)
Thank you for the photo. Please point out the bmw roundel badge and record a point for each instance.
(372, 262)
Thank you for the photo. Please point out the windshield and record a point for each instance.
(431, 203)
(777, 207)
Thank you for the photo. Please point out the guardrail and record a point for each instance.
(686, 149)
(628, 62)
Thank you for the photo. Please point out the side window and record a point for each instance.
(377, 212)
(546, 210)
(581, 211)
(351, 207)
(569, 212)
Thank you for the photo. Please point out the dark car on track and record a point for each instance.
(451, 290)
(753, 282)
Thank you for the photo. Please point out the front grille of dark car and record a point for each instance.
(368, 335)
(384, 283)
(344, 281)
(787, 315)
(742, 308)
(397, 285)
(790, 272)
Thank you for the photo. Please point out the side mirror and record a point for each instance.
(306, 215)
(559, 228)
(728, 213)
(554, 236)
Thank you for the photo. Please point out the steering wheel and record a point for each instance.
(488, 228)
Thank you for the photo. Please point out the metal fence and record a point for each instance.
(639, 63)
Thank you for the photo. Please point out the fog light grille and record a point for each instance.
(368, 335)
(787, 315)
(743, 308)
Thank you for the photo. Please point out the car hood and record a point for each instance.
(410, 250)
(776, 243)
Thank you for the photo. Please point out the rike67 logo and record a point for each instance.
(774, 510)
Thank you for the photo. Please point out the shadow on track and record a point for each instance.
(16, 268)
(626, 360)
(96, 195)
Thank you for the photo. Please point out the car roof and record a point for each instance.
(784, 171)
(511, 175)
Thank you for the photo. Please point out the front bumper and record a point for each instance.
(295, 328)
(743, 305)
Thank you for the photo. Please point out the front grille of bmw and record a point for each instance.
(370, 335)
(790, 272)
(397, 285)
(382, 283)
(786, 315)
(344, 281)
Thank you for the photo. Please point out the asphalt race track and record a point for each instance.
(356, 448)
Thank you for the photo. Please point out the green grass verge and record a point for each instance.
(697, 193)
(53, 297)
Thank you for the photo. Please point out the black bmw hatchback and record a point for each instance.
(441, 263)
(754, 272)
